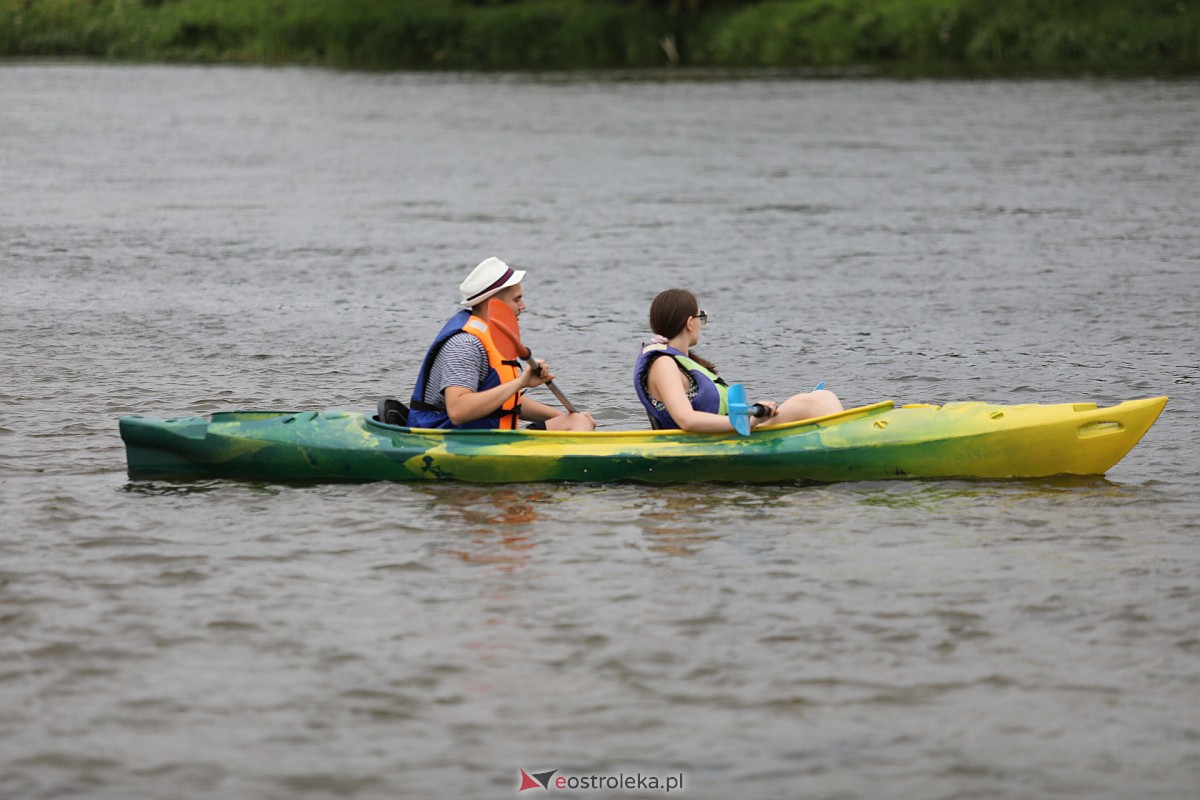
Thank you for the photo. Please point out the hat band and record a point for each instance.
(498, 283)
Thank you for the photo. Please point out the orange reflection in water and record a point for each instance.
(496, 522)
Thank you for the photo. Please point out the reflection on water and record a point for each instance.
(492, 525)
(929, 495)
(685, 540)
(166, 487)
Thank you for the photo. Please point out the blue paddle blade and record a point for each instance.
(739, 411)
(819, 386)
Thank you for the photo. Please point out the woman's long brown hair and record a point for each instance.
(669, 313)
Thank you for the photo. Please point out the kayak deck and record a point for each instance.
(880, 441)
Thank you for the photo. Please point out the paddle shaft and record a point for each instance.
(549, 384)
(527, 354)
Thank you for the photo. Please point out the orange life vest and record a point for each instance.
(505, 370)
(500, 370)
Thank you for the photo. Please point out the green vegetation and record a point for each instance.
(927, 35)
(1000, 33)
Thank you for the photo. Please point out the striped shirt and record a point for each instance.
(463, 361)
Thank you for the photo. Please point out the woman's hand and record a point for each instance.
(772, 409)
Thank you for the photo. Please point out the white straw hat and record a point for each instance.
(487, 279)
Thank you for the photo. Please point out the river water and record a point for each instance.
(181, 240)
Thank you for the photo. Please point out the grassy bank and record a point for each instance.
(1000, 33)
(977, 35)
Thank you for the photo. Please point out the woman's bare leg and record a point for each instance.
(807, 406)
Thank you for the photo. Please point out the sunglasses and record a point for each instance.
(702, 316)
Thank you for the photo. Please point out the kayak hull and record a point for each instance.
(881, 441)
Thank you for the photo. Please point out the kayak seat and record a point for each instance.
(391, 411)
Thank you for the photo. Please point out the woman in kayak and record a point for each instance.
(684, 390)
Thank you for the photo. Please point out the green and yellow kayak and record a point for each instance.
(881, 441)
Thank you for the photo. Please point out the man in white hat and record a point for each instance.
(466, 382)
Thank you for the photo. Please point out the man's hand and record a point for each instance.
(536, 374)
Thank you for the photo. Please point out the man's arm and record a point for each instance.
(465, 405)
(533, 411)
